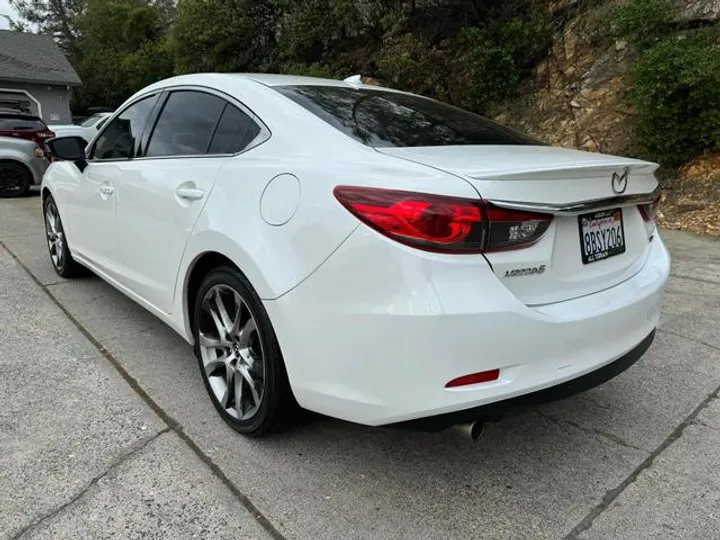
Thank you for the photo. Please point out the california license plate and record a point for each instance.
(601, 235)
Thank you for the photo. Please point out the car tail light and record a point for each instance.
(475, 378)
(442, 224)
(648, 211)
(45, 134)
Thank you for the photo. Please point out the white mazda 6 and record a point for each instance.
(369, 254)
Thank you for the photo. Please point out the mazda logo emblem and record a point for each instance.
(619, 181)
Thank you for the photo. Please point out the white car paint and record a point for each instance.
(86, 129)
(372, 330)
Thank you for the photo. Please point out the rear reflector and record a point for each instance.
(475, 378)
(648, 211)
(440, 223)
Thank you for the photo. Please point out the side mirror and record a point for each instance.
(67, 148)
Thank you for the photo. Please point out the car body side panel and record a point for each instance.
(318, 224)
(23, 151)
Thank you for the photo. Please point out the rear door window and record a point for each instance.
(186, 124)
(235, 131)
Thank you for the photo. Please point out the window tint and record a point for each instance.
(234, 132)
(119, 138)
(185, 125)
(18, 122)
(382, 119)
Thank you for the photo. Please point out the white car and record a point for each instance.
(86, 129)
(368, 254)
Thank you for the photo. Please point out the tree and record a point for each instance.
(224, 35)
(59, 18)
(123, 47)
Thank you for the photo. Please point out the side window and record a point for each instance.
(185, 125)
(234, 132)
(119, 139)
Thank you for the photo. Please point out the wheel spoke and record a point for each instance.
(222, 332)
(243, 370)
(222, 312)
(239, 396)
(238, 314)
(210, 342)
(212, 365)
(229, 375)
(246, 332)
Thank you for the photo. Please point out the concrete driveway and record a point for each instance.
(106, 431)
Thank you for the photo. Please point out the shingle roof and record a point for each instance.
(34, 58)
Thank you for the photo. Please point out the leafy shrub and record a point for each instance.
(643, 21)
(499, 58)
(405, 62)
(312, 70)
(677, 95)
(478, 66)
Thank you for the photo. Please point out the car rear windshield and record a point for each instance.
(380, 118)
(12, 122)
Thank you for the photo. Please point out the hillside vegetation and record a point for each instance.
(632, 77)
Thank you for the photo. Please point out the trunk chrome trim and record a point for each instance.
(583, 206)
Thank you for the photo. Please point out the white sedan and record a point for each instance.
(86, 130)
(369, 254)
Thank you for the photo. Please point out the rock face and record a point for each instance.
(575, 99)
(575, 96)
(698, 10)
(692, 200)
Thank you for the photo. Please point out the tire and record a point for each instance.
(15, 179)
(60, 255)
(235, 344)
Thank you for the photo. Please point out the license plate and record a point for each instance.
(601, 235)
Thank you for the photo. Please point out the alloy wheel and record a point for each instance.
(231, 351)
(55, 235)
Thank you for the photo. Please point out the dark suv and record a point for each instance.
(24, 126)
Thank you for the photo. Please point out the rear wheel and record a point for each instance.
(239, 356)
(60, 256)
(15, 179)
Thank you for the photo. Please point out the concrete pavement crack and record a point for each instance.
(593, 431)
(122, 459)
(612, 494)
(700, 280)
(173, 424)
(698, 341)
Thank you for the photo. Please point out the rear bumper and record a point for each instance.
(378, 330)
(564, 390)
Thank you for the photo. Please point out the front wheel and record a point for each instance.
(239, 356)
(60, 256)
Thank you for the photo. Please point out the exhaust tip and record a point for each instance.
(473, 430)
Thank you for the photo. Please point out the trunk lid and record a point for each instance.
(560, 182)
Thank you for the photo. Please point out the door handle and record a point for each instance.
(107, 190)
(191, 194)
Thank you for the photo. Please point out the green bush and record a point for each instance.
(677, 95)
(475, 68)
(405, 62)
(498, 58)
(643, 21)
(312, 70)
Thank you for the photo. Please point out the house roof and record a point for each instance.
(34, 58)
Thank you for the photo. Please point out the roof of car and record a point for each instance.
(266, 79)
